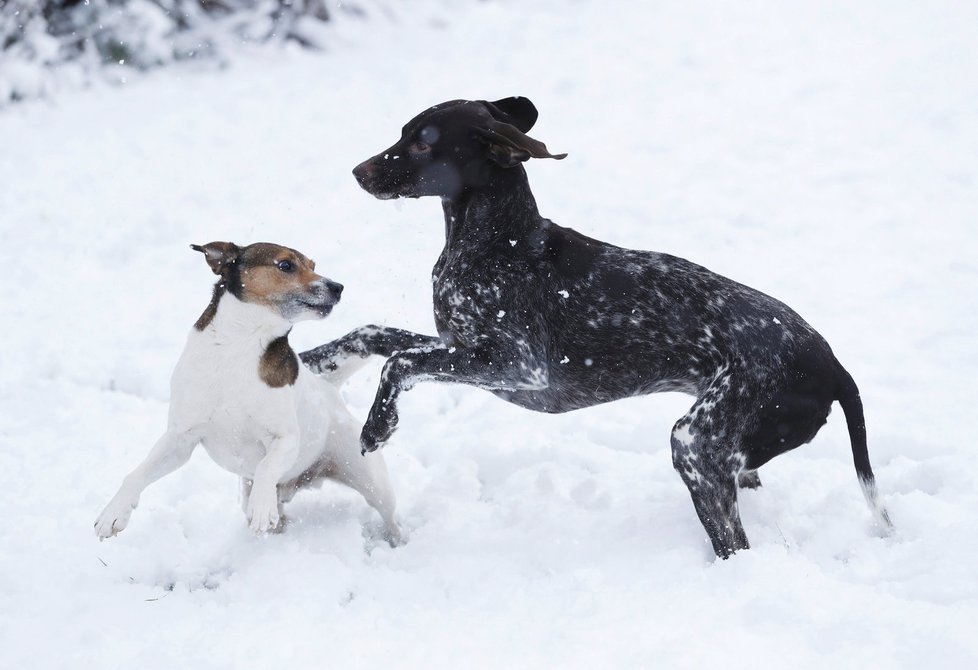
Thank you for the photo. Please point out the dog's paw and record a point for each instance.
(114, 518)
(375, 434)
(367, 445)
(383, 534)
(393, 535)
(263, 510)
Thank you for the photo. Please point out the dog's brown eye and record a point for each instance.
(285, 266)
(420, 147)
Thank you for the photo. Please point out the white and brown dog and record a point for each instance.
(240, 391)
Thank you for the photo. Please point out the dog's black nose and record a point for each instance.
(335, 290)
(362, 171)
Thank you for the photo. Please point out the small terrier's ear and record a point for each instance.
(219, 255)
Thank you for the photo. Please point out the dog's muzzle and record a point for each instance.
(333, 291)
(367, 175)
(325, 292)
(322, 295)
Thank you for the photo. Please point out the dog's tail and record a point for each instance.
(852, 406)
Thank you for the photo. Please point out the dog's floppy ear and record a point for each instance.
(508, 145)
(516, 111)
(219, 255)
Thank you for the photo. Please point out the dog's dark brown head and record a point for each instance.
(453, 146)
(277, 277)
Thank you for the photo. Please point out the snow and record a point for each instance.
(822, 152)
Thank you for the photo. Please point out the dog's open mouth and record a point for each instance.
(321, 308)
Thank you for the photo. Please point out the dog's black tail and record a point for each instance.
(852, 406)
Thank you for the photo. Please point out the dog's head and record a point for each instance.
(274, 276)
(453, 146)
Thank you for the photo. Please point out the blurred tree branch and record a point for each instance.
(37, 37)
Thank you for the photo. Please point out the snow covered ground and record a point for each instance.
(826, 153)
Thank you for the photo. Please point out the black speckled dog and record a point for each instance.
(551, 320)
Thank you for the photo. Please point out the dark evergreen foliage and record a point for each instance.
(45, 42)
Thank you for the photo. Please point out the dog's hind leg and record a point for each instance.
(704, 454)
(286, 492)
(367, 475)
(246, 485)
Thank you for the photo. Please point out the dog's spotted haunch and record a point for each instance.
(551, 320)
(239, 391)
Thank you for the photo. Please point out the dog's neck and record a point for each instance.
(233, 320)
(503, 206)
(242, 329)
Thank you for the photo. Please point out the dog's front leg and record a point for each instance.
(363, 342)
(482, 367)
(169, 453)
(263, 507)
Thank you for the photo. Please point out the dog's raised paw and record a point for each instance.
(367, 447)
(375, 435)
(369, 442)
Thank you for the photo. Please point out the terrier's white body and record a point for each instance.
(277, 438)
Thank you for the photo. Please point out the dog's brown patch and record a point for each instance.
(279, 366)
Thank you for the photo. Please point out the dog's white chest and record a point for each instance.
(218, 396)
